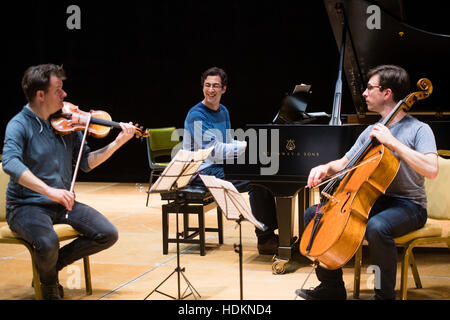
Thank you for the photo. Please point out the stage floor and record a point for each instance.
(135, 265)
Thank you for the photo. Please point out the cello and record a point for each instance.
(337, 230)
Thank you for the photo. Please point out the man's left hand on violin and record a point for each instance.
(127, 133)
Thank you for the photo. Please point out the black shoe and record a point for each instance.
(377, 297)
(323, 292)
(269, 245)
(60, 288)
(50, 291)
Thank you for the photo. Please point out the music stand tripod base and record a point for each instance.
(180, 273)
(175, 177)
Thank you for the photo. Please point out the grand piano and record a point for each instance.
(367, 33)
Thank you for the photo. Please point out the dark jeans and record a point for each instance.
(389, 218)
(35, 225)
(261, 200)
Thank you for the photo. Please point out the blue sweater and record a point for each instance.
(204, 128)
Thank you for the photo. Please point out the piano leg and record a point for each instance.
(285, 215)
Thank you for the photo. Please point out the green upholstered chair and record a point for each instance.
(439, 209)
(7, 236)
(160, 143)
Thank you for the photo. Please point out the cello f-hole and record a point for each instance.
(346, 200)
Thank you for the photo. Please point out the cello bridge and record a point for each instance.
(330, 197)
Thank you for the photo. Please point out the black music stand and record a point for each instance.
(234, 208)
(176, 176)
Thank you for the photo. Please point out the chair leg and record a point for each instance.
(186, 225)
(150, 183)
(201, 230)
(36, 281)
(220, 225)
(357, 277)
(165, 229)
(404, 273)
(415, 272)
(36, 277)
(87, 275)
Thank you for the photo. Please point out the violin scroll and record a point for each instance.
(141, 132)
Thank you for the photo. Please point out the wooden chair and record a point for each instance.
(438, 208)
(64, 232)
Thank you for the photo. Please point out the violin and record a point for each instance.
(337, 230)
(71, 119)
(95, 123)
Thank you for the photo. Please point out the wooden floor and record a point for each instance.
(135, 265)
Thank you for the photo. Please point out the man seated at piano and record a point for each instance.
(402, 208)
(208, 124)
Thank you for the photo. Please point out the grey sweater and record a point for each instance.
(31, 144)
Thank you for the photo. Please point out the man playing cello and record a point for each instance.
(402, 208)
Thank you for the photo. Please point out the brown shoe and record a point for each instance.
(269, 246)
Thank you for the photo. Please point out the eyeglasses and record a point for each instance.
(370, 87)
(215, 85)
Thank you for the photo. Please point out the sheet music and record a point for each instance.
(180, 170)
(301, 88)
(230, 200)
(319, 114)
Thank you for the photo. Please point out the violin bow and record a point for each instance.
(72, 186)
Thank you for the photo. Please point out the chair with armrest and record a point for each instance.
(160, 144)
(64, 232)
(438, 200)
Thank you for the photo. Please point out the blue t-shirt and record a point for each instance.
(204, 128)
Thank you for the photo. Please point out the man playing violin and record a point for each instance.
(402, 209)
(40, 163)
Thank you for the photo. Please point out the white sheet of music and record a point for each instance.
(301, 88)
(180, 170)
(231, 202)
(218, 189)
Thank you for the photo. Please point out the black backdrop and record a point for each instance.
(141, 61)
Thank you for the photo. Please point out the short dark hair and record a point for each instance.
(38, 78)
(214, 71)
(393, 77)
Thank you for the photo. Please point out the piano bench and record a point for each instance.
(190, 201)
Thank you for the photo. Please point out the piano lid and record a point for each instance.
(391, 40)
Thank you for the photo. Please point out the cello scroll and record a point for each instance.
(426, 88)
